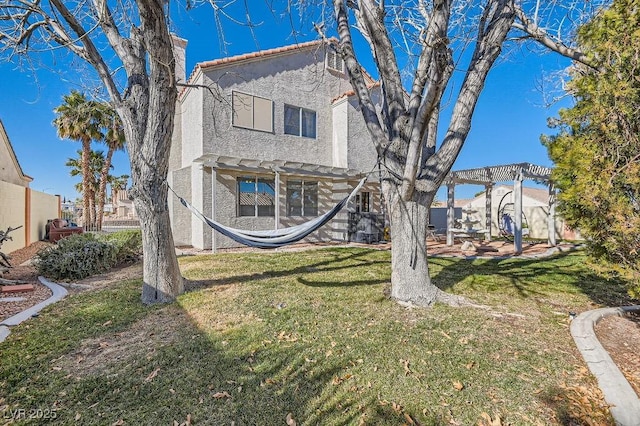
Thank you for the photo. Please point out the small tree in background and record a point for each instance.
(90, 179)
(114, 139)
(79, 119)
(597, 149)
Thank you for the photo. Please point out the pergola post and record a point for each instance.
(487, 214)
(451, 212)
(276, 215)
(517, 211)
(551, 224)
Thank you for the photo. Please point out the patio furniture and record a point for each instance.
(56, 229)
(431, 233)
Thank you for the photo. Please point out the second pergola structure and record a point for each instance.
(488, 177)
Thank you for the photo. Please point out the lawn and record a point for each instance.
(310, 338)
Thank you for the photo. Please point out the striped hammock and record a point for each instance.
(272, 238)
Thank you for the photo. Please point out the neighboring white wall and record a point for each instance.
(534, 211)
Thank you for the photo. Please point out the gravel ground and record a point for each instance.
(24, 272)
(620, 336)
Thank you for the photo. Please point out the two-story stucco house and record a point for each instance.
(268, 140)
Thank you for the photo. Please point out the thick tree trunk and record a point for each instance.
(148, 144)
(410, 279)
(161, 273)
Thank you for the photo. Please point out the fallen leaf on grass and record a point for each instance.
(107, 323)
(497, 421)
(409, 419)
(185, 423)
(220, 395)
(458, 385)
(118, 423)
(290, 420)
(153, 374)
(405, 364)
(337, 380)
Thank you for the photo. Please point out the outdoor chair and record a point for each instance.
(57, 229)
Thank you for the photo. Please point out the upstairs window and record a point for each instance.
(334, 61)
(302, 198)
(299, 121)
(252, 112)
(256, 196)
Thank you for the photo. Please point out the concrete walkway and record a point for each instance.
(57, 293)
(618, 393)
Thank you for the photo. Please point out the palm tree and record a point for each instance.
(90, 180)
(79, 119)
(114, 139)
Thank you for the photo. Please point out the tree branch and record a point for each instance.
(529, 27)
(90, 52)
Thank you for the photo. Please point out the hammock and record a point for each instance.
(271, 238)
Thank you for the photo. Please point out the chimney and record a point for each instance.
(180, 54)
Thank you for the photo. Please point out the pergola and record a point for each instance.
(488, 176)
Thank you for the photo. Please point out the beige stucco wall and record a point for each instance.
(14, 208)
(43, 207)
(12, 214)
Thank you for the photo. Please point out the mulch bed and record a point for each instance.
(23, 271)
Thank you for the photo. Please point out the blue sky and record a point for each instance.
(506, 127)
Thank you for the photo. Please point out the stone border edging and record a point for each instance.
(618, 393)
(57, 293)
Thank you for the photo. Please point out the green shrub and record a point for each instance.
(128, 244)
(77, 256)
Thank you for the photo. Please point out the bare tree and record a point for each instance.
(433, 35)
(130, 48)
(415, 158)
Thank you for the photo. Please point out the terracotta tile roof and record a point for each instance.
(259, 54)
(254, 55)
(270, 52)
(353, 92)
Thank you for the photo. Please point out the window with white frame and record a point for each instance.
(302, 198)
(363, 202)
(334, 60)
(252, 112)
(299, 121)
(256, 196)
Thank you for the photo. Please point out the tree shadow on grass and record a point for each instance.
(531, 277)
(338, 261)
(181, 370)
